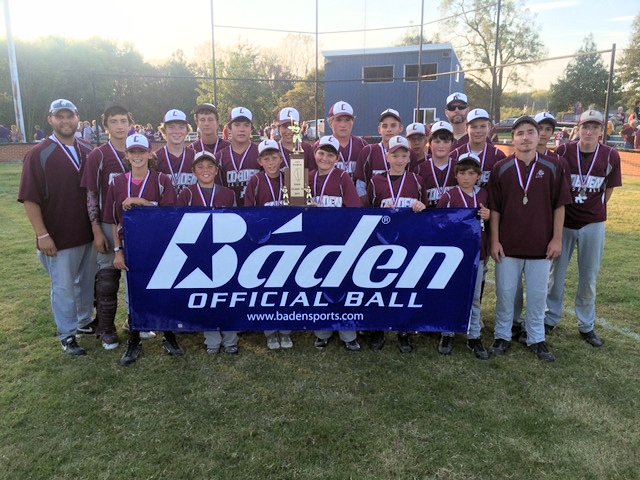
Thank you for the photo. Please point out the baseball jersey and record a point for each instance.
(372, 160)
(264, 191)
(463, 140)
(336, 189)
(103, 165)
(436, 180)
(591, 174)
(309, 160)
(488, 158)
(456, 198)
(200, 146)
(526, 220)
(51, 175)
(348, 154)
(177, 168)
(156, 187)
(396, 191)
(238, 168)
(216, 197)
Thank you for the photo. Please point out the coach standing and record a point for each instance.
(595, 171)
(57, 209)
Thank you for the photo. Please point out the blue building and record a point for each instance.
(376, 79)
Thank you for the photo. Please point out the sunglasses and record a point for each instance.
(453, 108)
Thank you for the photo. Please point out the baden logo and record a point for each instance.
(375, 267)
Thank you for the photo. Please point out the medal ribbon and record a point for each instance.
(396, 198)
(233, 158)
(144, 184)
(463, 197)
(525, 188)
(584, 179)
(117, 155)
(346, 162)
(215, 148)
(273, 195)
(284, 157)
(184, 153)
(446, 178)
(324, 185)
(204, 201)
(75, 162)
(384, 156)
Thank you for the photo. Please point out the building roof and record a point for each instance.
(426, 47)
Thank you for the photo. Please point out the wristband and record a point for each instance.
(117, 249)
(40, 237)
(154, 204)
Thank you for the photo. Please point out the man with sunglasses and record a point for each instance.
(456, 111)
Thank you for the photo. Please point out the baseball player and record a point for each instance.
(456, 111)
(207, 122)
(341, 119)
(287, 117)
(418, 136)
(174, 159)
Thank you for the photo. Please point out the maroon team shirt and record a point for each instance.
(348, 155)
(336, 189)
(197, 196)
(395, 191)
(51, 179)
(309, 159)
(177, 168)
(103, 165)
(589, 180)
(464, 139)
(264, 191)
(488, 158)
(372, 160)
(157, 187)
(435, 180)
(238, 168)
(200, 146)
(456, 198)
(526, 230)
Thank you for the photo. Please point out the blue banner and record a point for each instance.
(248, 269)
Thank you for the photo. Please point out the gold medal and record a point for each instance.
(525, 200)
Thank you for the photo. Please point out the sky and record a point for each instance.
(158, 30)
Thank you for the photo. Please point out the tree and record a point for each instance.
(630, 66)
(585, 81)
(411, 37)
(303, 97)
(473, 28)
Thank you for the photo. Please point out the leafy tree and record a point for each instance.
(630, 66)
(303, 97)
(584, 80)
(473, 29)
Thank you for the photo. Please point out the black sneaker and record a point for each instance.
(376, 340)
(542, 352)
(352, 346)
(517, 329)
(70, 346)
(171, 345)
(592, 338)
(404, 343)
(321, 342)
(522, 338)
(445, 347)
(500, 347)
(89, 328)
(475, 345)
(548, 329)
(134, 350)
(231, 349)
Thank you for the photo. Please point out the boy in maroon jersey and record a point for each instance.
(265, 190)
(478, 127)
(595, 172)
(395, 188)
(103, 165)
(141, 187)
(437, 172)
(418, 136)
(239, 161)
(467, 194)
(456, 111)
(55, 205)
(372, 160)
(174, 159)
(332, 187)
(286, 118)
(207, 122)
(527, 195)
(341, 119)
(205, 193)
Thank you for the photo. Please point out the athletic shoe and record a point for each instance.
(89, 328)
(134, 350)
(445, 347)
(231, 349)
(500, 347)
(404, 343)
(273, 342)
(592, 338)
(143, 335)
(376, 340)
(321, 342)
(352, 346)
(285, 341)
(475, 345)
(213, 350)
(548, 329)
(171, 345)
(110, 341)
(70, 346)
(542, 352)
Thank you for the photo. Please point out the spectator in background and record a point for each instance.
(619, 117)
(636, 142)
(628, 134)
(5, 134)
(39, 134)
(562, 136)
(636, 109)
(149, 132)
(87, 132)
(16, 136)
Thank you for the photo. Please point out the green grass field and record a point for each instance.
(304, 414)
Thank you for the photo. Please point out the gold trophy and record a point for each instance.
(296, 190)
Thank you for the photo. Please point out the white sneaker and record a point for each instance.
(273, 343)
(285, 341)
(147, 335)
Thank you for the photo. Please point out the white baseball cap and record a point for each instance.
(62, 104)
(592, 116)
(205, 155)
(469, 156)
(175, 116)
(416, 129)
(398, 142)
(457, 97)
(390, 112)
(545, 117)
(341, 108)
(330, 141)
(136, 141)
(267, 145)
(288, 115)
(240, 114)
(477, 114)
(440, 125)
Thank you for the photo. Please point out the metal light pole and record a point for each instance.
(495, 63)
(213, 58)
(607, 98)
(424, 120)
(13, 67)
(315, 103)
